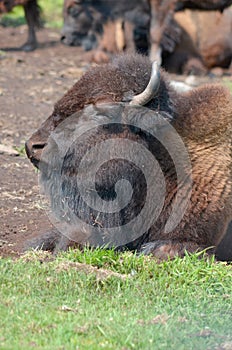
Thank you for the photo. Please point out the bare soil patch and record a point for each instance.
(30, 84)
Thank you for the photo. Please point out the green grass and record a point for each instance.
(179, 304)
(51, 14)
(21, 150)
(228, 83)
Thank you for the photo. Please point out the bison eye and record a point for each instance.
(74, 11)
(113, 128)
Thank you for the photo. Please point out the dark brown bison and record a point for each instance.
(32, 14)
(209, 5)
(108, 26)
(106, 104)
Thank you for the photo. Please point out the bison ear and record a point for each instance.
(151, 89)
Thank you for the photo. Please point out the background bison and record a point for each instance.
(201, 47)
(109, 27)
(201, 117)
(32, 14)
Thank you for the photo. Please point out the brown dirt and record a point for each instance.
(30, 84)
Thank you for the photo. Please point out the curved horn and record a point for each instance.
(151, 89)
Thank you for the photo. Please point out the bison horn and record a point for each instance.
(151, 89)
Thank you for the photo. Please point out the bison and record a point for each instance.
(203, 5)
(104, 27)
(163, 36)
(122, 101)
(201, 47)
(32, 14)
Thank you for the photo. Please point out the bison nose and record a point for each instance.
(34, 151)
(69, 40)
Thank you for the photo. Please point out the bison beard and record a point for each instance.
(201, 117)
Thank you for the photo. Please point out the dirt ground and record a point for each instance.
(30, 84)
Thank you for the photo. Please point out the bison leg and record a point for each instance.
(129, 37)
(163, 250)
(52, 241)
(47, 241)
(32, 14)
(110, 42)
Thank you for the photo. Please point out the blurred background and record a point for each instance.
(51, 15)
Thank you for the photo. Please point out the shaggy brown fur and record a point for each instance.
(203, 119)
(32, 14)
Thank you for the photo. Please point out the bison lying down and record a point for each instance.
(115, 92)
(32, 14)
(201, 47)
(195, 37)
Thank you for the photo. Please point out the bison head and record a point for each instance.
(124, 80)
(81, 24)
(96, 166)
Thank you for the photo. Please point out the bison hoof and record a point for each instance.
(164, 250)
(99, 56)
(27, 47)
(52, 241)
